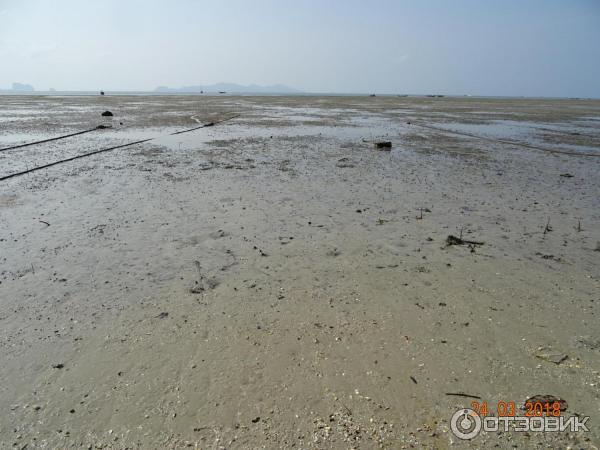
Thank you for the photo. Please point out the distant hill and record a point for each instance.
(231, 88)
(22, 87)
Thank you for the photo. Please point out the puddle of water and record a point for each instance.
(107, 137)
(570, 147)
(313, 113)
(296, 118)
(510, 128)
(20, 138)
(22, 112)
(399, 111)
(500, 129)
(137, 134)
(524, 131)
(359, 128)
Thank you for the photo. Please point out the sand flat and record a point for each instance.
(274, 281)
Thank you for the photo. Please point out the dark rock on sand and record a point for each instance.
(386, 145)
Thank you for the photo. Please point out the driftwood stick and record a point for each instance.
(462, 394)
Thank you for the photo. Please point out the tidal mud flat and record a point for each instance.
(276, 281)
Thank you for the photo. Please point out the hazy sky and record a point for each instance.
(478, 47)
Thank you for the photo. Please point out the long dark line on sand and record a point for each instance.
(84, 155)
(45, 166)
(99, 127)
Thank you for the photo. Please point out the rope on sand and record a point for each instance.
(45, 166)
(99, 127)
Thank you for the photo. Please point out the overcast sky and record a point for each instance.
(477, 47)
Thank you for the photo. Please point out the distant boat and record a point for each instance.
(222, 92)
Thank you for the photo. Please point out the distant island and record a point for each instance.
(22, 87)
(231, 87)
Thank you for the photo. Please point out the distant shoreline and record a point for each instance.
(9, 92)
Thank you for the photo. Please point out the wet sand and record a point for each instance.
(275, 281)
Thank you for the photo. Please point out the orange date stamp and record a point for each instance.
(530, 408)
(539, 413)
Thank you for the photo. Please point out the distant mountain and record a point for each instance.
(231, 88)
(22, 87)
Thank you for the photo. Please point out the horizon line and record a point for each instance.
(91, 92)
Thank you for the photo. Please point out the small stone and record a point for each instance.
(547, 354)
